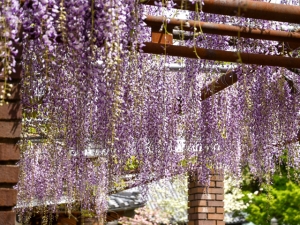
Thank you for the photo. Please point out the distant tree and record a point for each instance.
(280, 199)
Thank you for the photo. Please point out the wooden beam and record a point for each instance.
(226, 56)
(218, 85)
(222, 29)
(243, 8)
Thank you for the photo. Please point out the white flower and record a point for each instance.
(250, 195)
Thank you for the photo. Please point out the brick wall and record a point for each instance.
(10, 129)
(206, 206)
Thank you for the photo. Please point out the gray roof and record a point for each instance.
(121, 201)
(126, 200)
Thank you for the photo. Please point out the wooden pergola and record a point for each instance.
(206, 206)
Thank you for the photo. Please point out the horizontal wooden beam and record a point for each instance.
(219, 55)
(243, 8)
(222, 29)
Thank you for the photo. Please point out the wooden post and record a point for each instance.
(10, 130)
(206, 206)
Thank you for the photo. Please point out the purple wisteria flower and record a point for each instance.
(99, 115)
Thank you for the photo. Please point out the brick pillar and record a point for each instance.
(206, 206)
(10, 129)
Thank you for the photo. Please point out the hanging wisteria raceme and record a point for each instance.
(9, 40)
(99, 115)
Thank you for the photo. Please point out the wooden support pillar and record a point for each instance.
(206, 206)
(10, 130)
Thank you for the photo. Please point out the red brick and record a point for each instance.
(10, 111)
(220, 197)
(191, 185)
(205, 222)
(220, 223)
(216, 190)
(215, 216)
(212, 184)
(216, 172)
(8, 197)
(191, 197)
(9, 174)
(191, 223)
(9, 151)
(195, 183)
(205, 209)
(15, 91)
(7, 218)
(198, 203)
(191, 210)
(10, 129)
(220, 210)
(205, 196)
(215, 203)
(217, 178)
(198, 216)
(220, 184)
(196, 190)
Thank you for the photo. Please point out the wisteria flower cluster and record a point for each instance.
(9, 28)
(99, 115)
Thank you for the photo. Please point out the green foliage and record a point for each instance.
(281, 199)
(120, 185)
(279, 202)
(32, 130)
(186, 162)
(87, 213)
(132, 163)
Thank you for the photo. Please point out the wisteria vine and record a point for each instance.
(99, 115)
